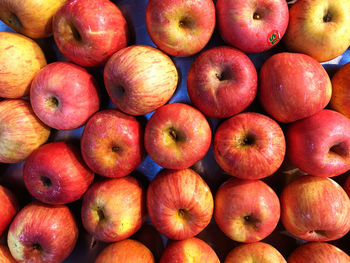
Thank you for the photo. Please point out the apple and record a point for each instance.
(255, 252)
(5, 255)
(20, 60)
(179, 203)
(189, 250)
(21, 131)
(127, 250)
(55, 173)
(253, 25)
(9, 207)
(320, 145)
(42, 233)
(293, 86)
(64, 95)
(180, 27)
(249, 145)
(318, 252)
(112, 143)
(140, 79)
(319, 28)
(32, 18)
(89, 32)
(114, 209)
(222, 82)
(340, 90)
(177, 136)
(315, 209)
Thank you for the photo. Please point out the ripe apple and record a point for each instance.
(9, 207)
(222, 82)
(246, 210)
(140, 79)
(315, 209)
(249, 146)
(42, 233)
(255, 252)
(253, 25)
(179, 203)
(114, 209)
(32, 18)
(177, 136)
(89, 32)
(5, 255)
(340, 100)
(56, 174)
(319, 28)
(112, 143)
(189, 250)
(20, 60)
(293, 86)
(180, 27)
(21, 131)
(127, 250)
(64, 95)
(320, 145)
(318, 252)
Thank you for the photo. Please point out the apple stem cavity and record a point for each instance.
(46, 181)
(115, 148)
(318, 232)
(327, 18)
(37, 247)
(75, 33)
(120, 91)
(52, 102)
(101, 215)
(14, 21)
(251, 221)
(185, 23)
(339, 149)
(256, 16)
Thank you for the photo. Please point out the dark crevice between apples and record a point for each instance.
(14, 21)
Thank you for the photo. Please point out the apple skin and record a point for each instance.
(246, 210)
(320, 145)
(89, 32)
(114, 209)
(340, 100)
(179, 203)
(21, 131)
(112, 143)
(5, 255)
(309, 33)
(249, 146)
(42, 233)
(55, 173)
(20, 60)
(180, 27)
(315, 209)
(189, 250)
(318, 252)
(222, 82)
(64, 95)
(255, 252)
(127, 250)
(347, 185)
(9, 207)
(177, 136)
(32, 18)
(293, 86)
(254, 25)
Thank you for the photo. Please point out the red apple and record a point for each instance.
(340, 100)
(177, 136)
(180, 27)
(320, 145)
(315, 209)
(5, 255)
(21, 131)
(253, 25)
(114, 209)
(249, 146)
(42, 233)
(222, 82)
(64, 95)
(293, 86)
(179, 203)
(189, 250)
(140, 79)
(318, 252)
(9, 206)
(255, 252)
(56, 174)
(246, 210)
(127, 250)
(112, 143)
(89, 32)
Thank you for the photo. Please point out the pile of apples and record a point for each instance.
(208, 126)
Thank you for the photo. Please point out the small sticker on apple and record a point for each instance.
(273, 37)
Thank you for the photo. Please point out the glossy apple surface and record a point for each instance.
(5, 255)
(9, 207)
(340, 100)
